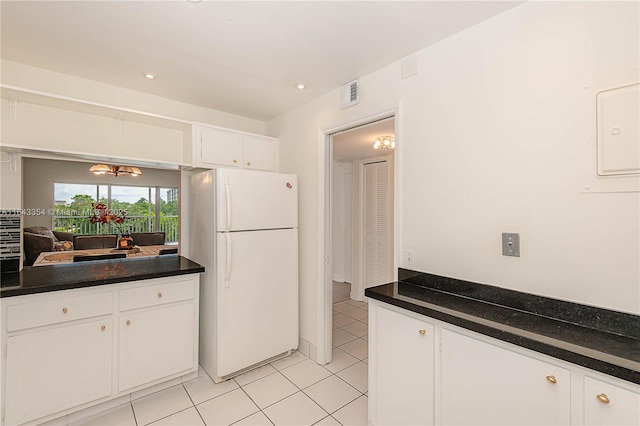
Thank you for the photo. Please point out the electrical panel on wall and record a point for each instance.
(610, 132)
(618, 136)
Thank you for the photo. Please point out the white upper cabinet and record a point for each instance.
(216, 147)
(219, 147)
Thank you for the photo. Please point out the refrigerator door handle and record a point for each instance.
(227, 273)
(227, 193)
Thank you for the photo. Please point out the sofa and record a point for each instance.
(37, 239)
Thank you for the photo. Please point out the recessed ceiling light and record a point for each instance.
(149, 75)
(300, 86)
(194, 1)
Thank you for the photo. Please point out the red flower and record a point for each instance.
(103, 215)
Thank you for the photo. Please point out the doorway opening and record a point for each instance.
(358, 229)
(362, 209)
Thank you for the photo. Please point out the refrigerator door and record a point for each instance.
(257, 297)
(251, 200)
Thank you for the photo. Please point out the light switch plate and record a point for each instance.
(510, 244)
(409, 257)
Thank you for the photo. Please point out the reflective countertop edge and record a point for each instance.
(621, 367)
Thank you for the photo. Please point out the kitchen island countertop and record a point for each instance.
(43, 279)
(599, 339)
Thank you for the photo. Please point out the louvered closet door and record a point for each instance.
(375, 224)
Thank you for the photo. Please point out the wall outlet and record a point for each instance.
(510, 244)
(408, 258)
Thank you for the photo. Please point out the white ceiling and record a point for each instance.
(235, 56)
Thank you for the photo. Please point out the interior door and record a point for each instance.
(257, 297)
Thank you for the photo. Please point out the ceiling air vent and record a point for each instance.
(350, 94)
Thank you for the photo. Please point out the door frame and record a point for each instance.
(324, 272)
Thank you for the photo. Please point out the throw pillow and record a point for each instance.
(49, 233)
(63, 246)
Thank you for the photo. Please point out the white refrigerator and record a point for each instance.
(243, 229)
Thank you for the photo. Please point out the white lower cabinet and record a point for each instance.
(58, 347)
(483, 384)
(55, 369)
(155, 344)
(608, 404)
(452, 376)
(403, 393)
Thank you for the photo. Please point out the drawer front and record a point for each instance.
(156, 294)
(53, 311)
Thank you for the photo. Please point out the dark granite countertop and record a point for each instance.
(41, 279)
(602, 340)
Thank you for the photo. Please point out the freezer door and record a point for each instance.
(250, 200)
(257, 297)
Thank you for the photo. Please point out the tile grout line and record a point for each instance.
(298, 388)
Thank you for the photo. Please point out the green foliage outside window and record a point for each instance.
(141, 216)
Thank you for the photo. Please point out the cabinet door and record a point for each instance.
(53, 370)
(220, 148)
(156, 343)
(607, 404)
(483, 384)
(402, 387)
(258, 153)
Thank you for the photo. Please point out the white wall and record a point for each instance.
(490, 134)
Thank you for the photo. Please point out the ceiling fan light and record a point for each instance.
(384, 143)
(99, 169)
(103, 169)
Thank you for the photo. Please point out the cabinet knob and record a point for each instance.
(159, 294)
(552, 379)
(128, 322)
(235, 161)
(422, 332)
(603, 398)
(103, 328)
(248, 163)
(65, 310)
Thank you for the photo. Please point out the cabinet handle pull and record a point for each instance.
(159, 294)
(422, 332)
(603, 398)
(65, 310)
(552, 379)
(248, 163)
(128, 322)
(103, 328)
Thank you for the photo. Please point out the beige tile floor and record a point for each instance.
(290, 391)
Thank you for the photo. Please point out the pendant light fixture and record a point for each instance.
(103, 169)
(384, 143)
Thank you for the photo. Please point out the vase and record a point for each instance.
(125, 242)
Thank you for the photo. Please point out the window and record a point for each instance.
(149, 209)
